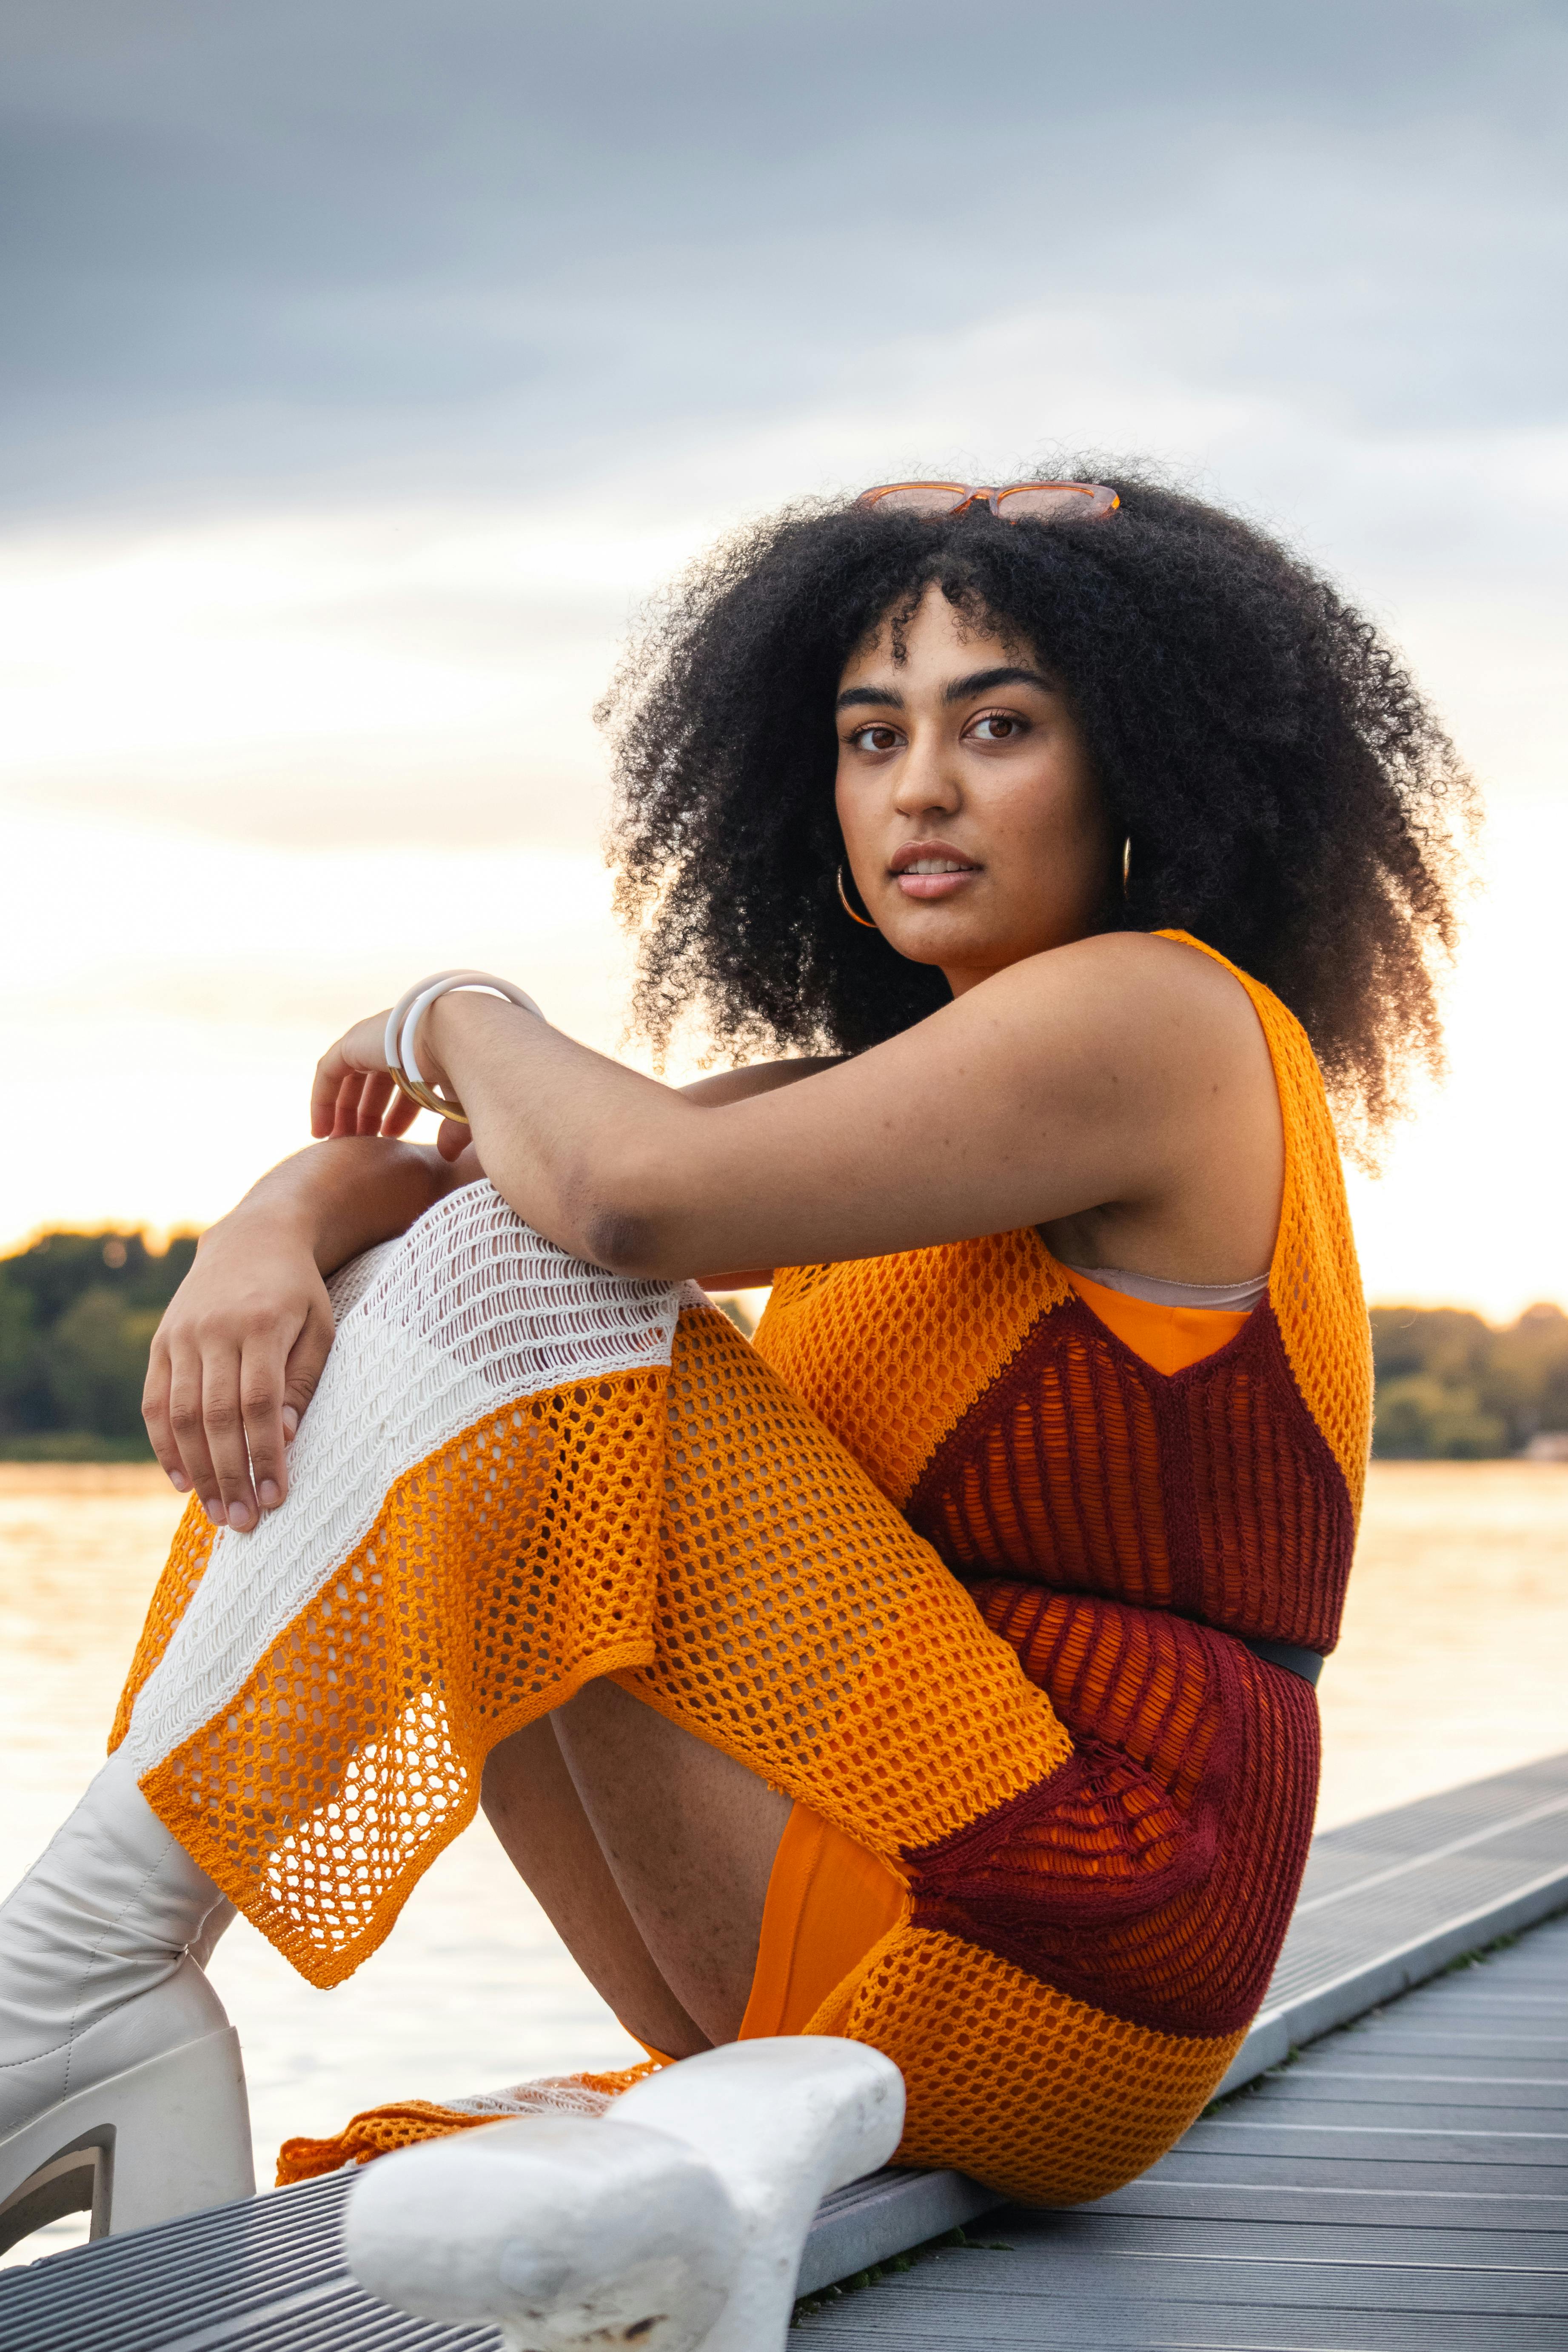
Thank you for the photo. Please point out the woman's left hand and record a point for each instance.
(354, 1093)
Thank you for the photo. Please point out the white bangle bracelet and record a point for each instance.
(403, 1029)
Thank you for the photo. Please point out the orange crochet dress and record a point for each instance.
(939, 1555)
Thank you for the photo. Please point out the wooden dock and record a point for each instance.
(1401, 2183)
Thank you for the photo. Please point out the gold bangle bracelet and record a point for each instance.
(403, 1026)
(429, 1099)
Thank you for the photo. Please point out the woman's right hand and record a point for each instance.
(235, 1362)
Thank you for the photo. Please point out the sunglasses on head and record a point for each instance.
(1024, 502)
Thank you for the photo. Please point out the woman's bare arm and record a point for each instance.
(346, 1196)
(1123, 1078)
(742, 1085)
(239, 1354)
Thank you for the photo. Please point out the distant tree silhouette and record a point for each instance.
(78, 1311)
(1451, 1387)
(76, 1314)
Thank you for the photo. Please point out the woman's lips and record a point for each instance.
(934, 877)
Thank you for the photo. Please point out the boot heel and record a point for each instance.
(161, 2139)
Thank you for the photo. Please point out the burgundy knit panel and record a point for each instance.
(1211, 1491)
(1154, 1876)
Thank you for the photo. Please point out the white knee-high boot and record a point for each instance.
(120, 2082)
(675, 2220)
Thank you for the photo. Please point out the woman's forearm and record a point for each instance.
(343, 1197)
(610, 1165)
(558, 1126)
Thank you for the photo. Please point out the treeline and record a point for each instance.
(76, 1314)
(78, 1310)
(1451, 1388)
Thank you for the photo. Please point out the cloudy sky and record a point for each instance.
(366, 367)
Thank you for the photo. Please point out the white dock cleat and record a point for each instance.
(675, 2223)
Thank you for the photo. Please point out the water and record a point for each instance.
(1454, 1663)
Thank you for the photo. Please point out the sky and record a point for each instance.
(366, 369)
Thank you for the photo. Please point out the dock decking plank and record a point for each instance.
(1236, 2330)
(1199, 2167)
(1264, 2135)
(1341, 2202)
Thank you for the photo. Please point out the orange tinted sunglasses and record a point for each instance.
(1032, 501)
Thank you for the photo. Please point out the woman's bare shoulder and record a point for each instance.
(1148, 991)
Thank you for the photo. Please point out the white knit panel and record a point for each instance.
(552, 2095)
(470, 1310)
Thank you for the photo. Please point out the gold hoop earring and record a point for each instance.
(864, 920)
(1126, 864)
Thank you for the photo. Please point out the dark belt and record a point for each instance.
(1308, 1664)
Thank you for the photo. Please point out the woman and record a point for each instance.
(936, 1671)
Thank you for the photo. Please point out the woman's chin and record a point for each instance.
(943, 935)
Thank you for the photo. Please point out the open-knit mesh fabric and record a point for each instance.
(436, 1334)
(1042, 2096)
(694, 1531)
(1314, 1280)
(182, 1571)
(1178, 1925)
(890, 1353)
(1046, 2099)
(1208, 1491)
(1227, 1491)
(801, 1625)
(500, 1575)
(379, 2131)
(771, 1598)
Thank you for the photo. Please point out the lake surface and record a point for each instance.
(1454, 1663)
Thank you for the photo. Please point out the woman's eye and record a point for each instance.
(875, 739)
(997, 727)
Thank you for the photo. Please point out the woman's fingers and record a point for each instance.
(401, 1116)
(331, 1084)
(232, 1366)
(155, 1413)
(362, 1098)
(325, 1088)
(345, 1116)
(223, 1427)
(334, 1097)
(261, 1401)
(339, 1084)
(374, 1094)
(276, 1382)
(306, 1359)
(222, 1405)
(188, 1429)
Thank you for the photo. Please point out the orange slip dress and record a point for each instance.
(941, 1555)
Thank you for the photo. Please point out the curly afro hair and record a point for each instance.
(1290, 797)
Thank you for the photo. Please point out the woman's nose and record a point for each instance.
(927, 777)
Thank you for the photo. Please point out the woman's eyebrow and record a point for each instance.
(982, 681)
(979, 681)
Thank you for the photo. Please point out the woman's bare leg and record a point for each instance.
(650, 1851)
(531, 1803)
